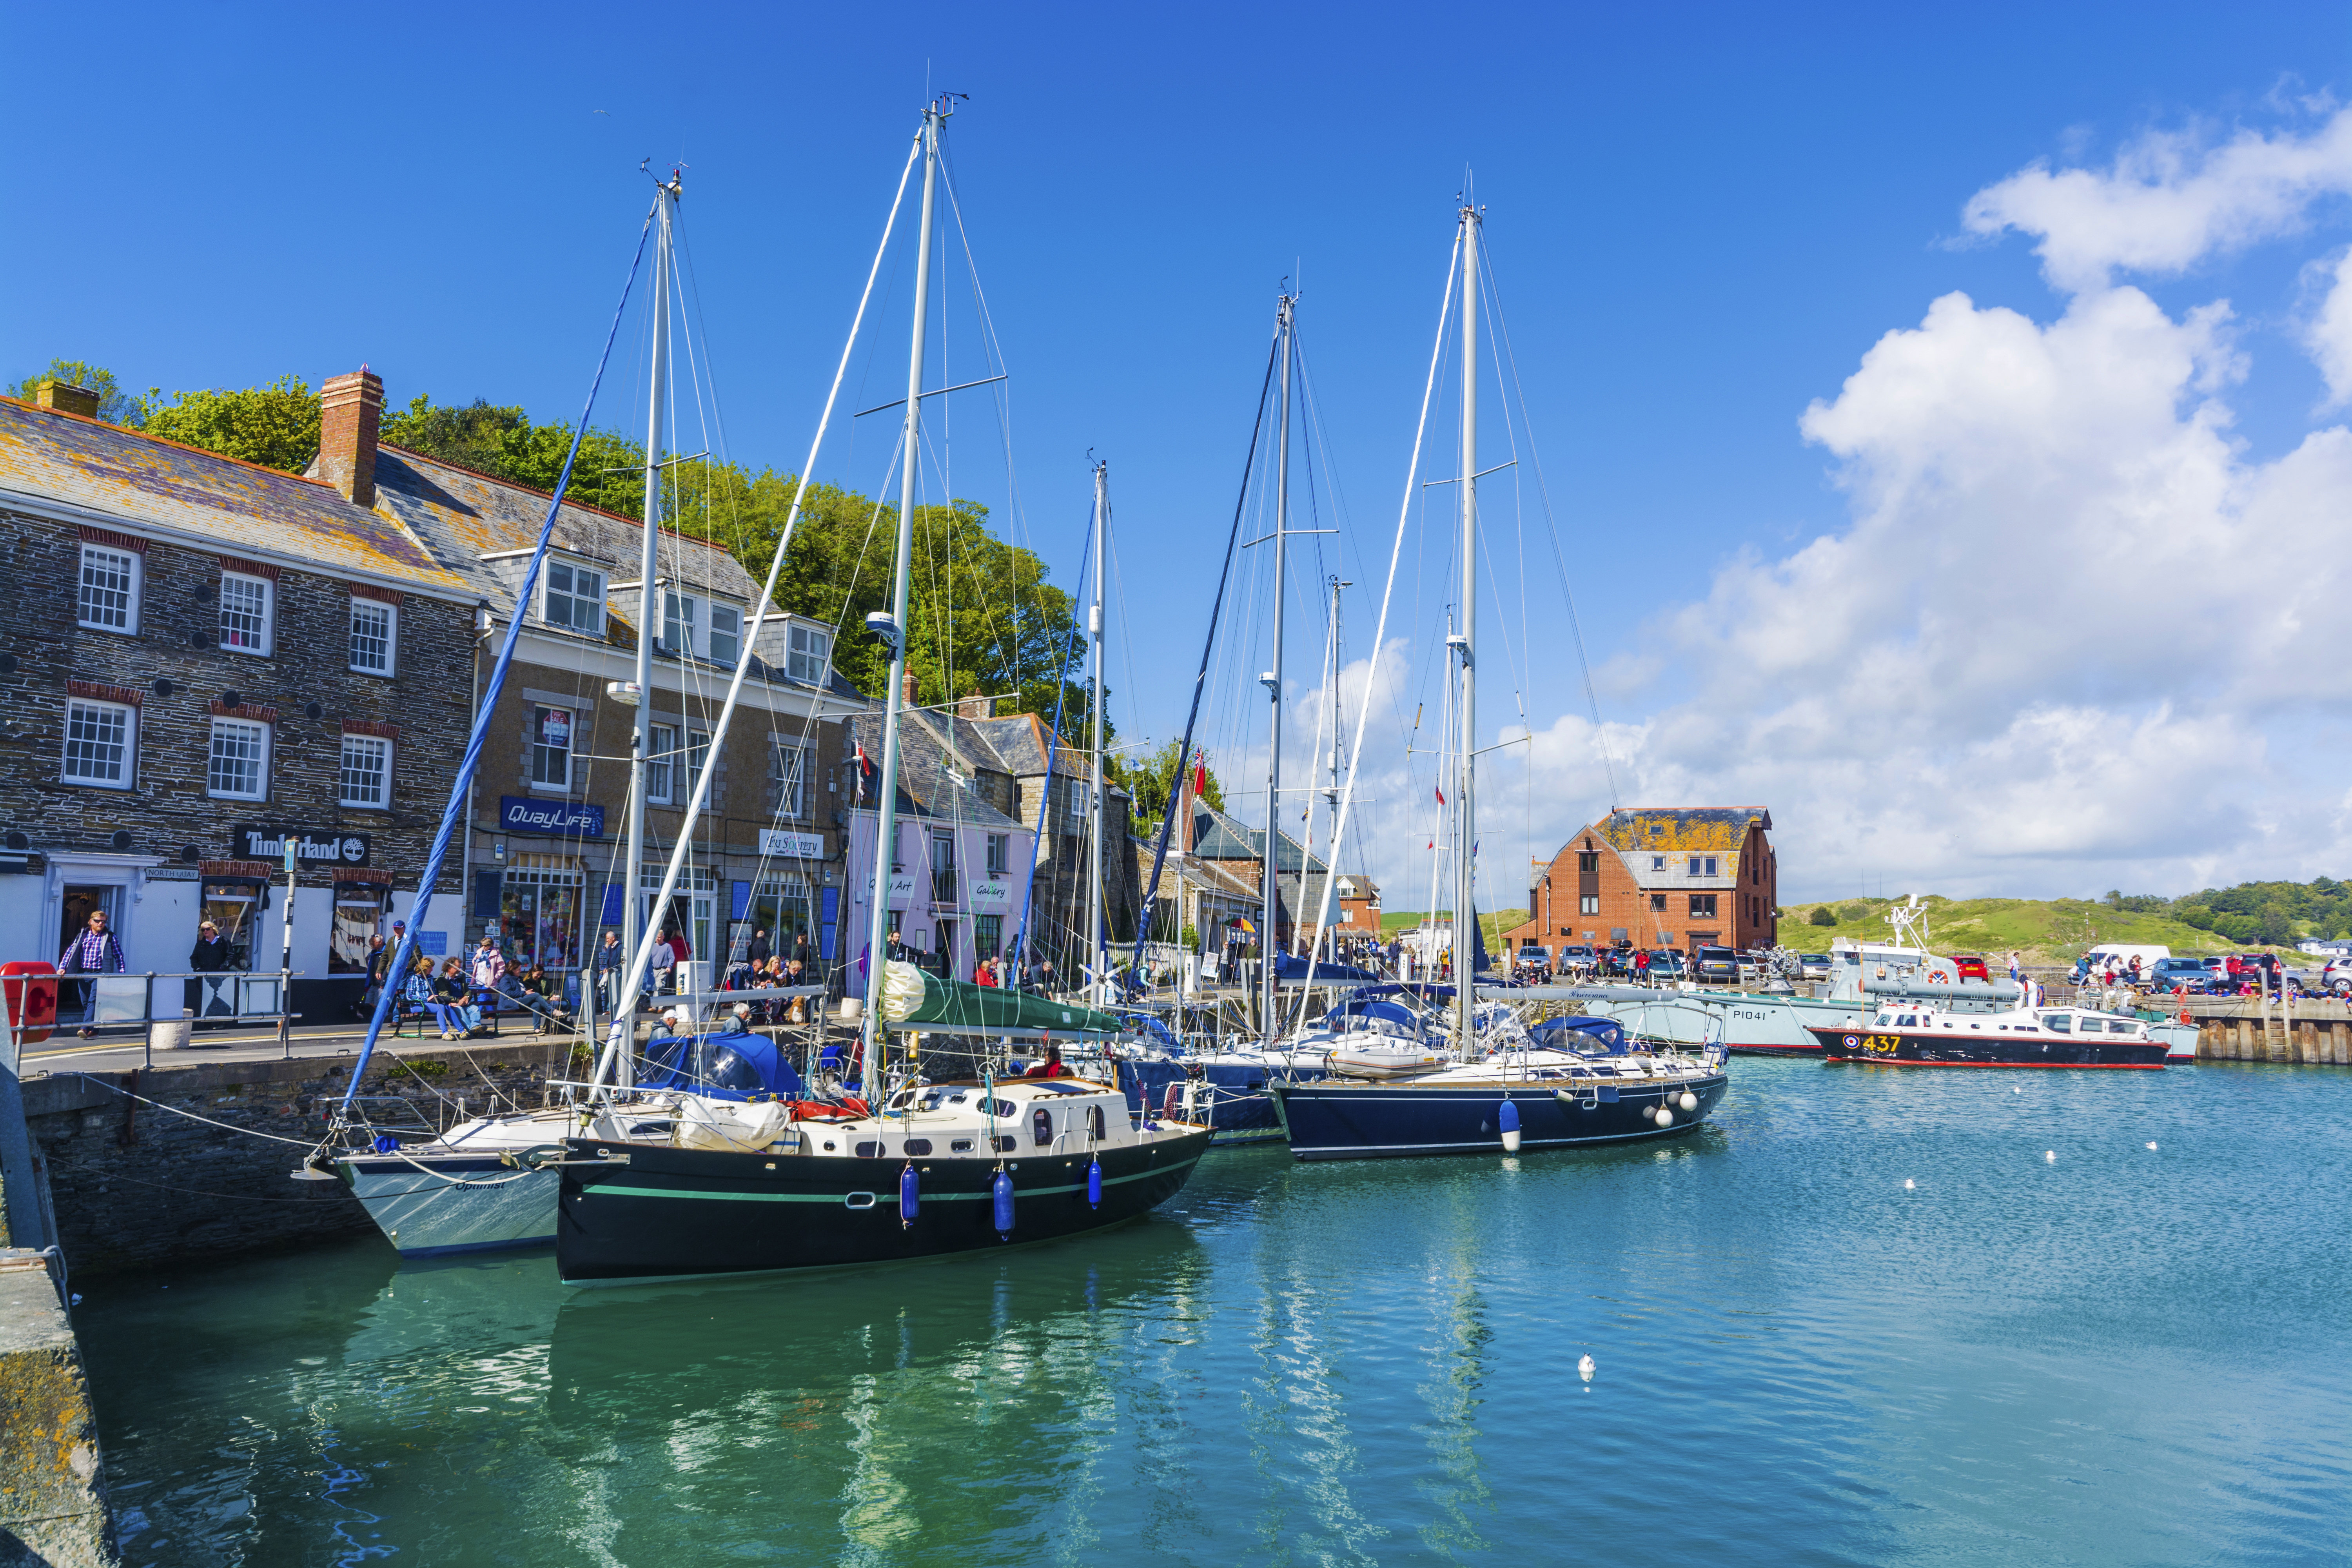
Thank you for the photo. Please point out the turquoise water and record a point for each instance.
(2120, 1355)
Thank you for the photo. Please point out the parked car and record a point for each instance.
(1575, 958)
(1972, 965)
(1665, 963)
(2173, 974)
(2338, 974)
(1719, 964)
(1816, 965)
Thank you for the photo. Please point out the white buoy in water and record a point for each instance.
(1584, 1369)
(1665, 1117)
(2017, 1089)
(2151, 1145)
(1909, 1183)
(2050, 1156)
(1689, 1101)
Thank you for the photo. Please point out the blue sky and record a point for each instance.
(1702, 220)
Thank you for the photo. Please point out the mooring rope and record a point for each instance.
(298, 1143)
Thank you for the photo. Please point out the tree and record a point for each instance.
(503, 443)
(274, 426)
(114, 406)
(1152, 779)
(1820, 916)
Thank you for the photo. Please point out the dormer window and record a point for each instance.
(808, 650)
(573, 598)
(726, 633)
(680, 614)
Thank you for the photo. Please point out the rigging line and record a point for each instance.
(1396, 556)
(1216, 611)
(406, 956)
(642, 959)
(1054, 748)
(1551, 527)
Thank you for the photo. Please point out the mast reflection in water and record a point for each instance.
(2116, 1356)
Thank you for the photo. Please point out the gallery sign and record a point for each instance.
(563, 818)
(322, 847)
(792, 846)
(989, 896)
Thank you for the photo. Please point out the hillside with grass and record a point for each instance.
(1495, 923)
(2047, 931)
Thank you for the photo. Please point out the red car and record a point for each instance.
(1971, 967)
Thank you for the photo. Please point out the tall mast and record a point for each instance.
(1331, 797)
(886, 809)
(1268, 950)
(634, 914)
(1095, 851)
(1465, 843)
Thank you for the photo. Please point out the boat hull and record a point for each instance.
(1336, 1120)
(1983, 1051)
(669, 1214)
(436, 1205)
(1749, 1024)
(1232, 1101)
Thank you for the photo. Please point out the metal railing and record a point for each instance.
(123, 998)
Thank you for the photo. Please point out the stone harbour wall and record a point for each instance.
(135, 1186)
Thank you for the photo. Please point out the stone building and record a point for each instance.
(1214, 875)
(1672, 876)
(1012, 772)
(204, 659)
(547, 826)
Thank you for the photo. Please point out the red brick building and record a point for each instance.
(1652, 876)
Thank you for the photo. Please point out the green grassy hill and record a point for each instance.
(2047, 931)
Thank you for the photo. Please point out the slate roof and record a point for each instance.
(242, 507)
(933, 782)
(1717, 828)
(1217, 836)
(1019, 742)
(465, 516)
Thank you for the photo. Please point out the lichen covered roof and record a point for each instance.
(1720, 829)
(141, 479)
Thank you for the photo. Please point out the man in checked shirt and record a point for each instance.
(94, 951)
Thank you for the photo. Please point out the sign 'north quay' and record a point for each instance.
(563, 818)
(324, 846)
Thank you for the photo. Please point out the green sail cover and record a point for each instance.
(911, 998)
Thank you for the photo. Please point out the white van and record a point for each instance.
(2121, 953)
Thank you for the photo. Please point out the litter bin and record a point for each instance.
(172, 1034)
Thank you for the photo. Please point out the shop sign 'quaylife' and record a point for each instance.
(564, 818)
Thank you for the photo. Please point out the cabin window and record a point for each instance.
(2055, 1023)
(959, 1145)
(1006, 1144)
(1041, 1127)
(1094, 1120)
(1906, 1021)
(2093, 1027)
(920, 1145)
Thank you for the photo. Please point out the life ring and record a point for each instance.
(1939, 978)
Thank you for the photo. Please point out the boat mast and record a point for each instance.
(1331, 797)
(1269, 951)
(1466, 914)
(1095, 944)
(886, 806)
(635, 916)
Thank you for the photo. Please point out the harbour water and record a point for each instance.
(1862, 1317)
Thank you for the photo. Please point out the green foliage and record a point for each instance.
(1821, 916)
(1191, 938)
(274, 426)
(503, 443)
(1151, 779)
(1852, 913)
(114, 406)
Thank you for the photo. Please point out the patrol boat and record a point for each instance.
(1912, 1035)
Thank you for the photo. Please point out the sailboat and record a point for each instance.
(734, 1186)
(1567, 1082)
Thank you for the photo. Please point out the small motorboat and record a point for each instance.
(1912, 1034)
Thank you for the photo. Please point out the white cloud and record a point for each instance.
(2328, 334)
(2169, 200)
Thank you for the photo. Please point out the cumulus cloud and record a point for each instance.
(2328, 335)
(2169, 200)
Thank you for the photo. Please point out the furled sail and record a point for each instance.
(912, 996)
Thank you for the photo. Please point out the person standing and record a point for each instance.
(214, 954)
(604, 970)
(759, 951)
(94, 950)
(664, 975)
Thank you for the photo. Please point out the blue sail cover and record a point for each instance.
(1293, 966)
(1557, 1035)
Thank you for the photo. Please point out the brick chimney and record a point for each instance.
(350, 409)
(67, 398)
(974, 706)
(914, 690)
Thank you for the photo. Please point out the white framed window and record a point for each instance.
(244, 612)
(697, 753)
(551, 747)
(726, 634)
(366, 773)
(109, 588)
(789, 770)
(999, 851)
(807, 649)
(659, 772)
(573, 598)
(373, 631)
(100, 738)
(239, 767)
(1589, 904)
(679, 611)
